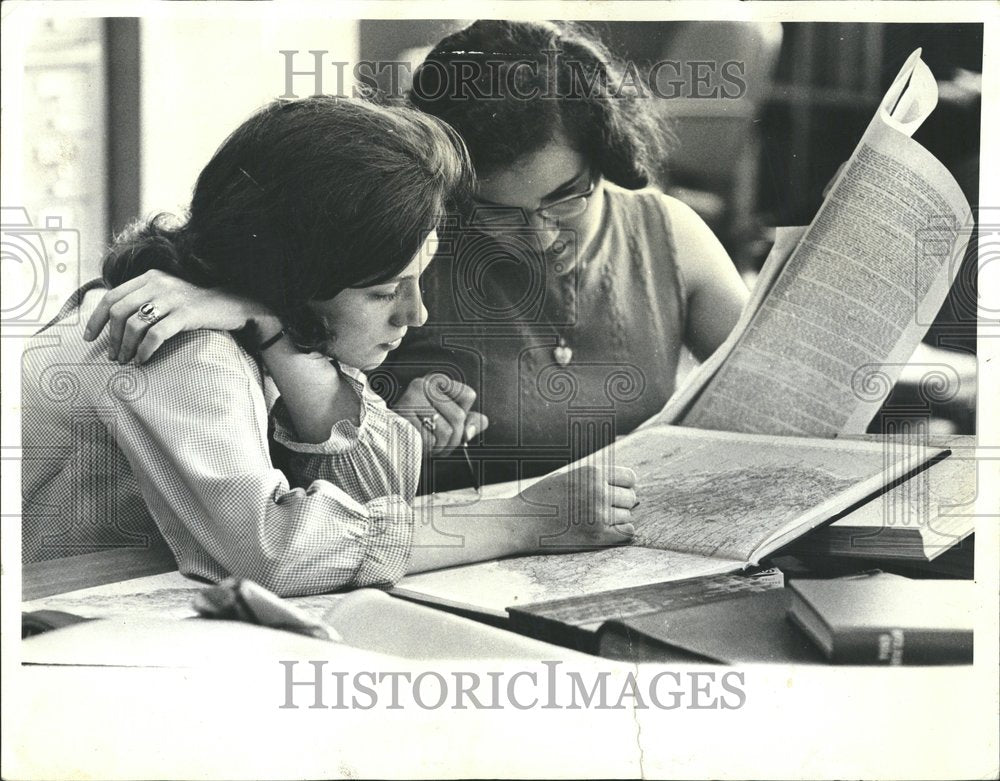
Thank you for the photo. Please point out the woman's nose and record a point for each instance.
(547, 231)
(412, 312)
(420, 316)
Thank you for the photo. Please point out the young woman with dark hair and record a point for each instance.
(568, 290)
(244, 431)
(564, 290)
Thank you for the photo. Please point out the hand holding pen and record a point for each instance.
(441, 409)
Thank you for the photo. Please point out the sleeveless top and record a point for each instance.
(497, 312)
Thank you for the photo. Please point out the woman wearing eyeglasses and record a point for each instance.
(564, 293)
(262, 453)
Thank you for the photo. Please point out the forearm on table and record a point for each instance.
(315, 394)
(446, 536)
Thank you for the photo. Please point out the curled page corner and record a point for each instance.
(911, 98)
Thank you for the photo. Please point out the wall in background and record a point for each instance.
(120, 115)
(201, 78)
(63, 175)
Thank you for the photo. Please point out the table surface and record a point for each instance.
(147, 693)
(144, 583)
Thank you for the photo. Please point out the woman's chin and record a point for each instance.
(376, 361)
(365, 360)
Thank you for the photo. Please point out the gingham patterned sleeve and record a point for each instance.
(196, 438)
(379, 456)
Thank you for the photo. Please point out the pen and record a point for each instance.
(468, 461)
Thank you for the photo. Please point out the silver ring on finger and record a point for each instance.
(429, 422)
(149, 313)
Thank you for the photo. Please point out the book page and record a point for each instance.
(785, 242)
(732, 496)
(830, 339)
(493, 586)
(709, 502)
(166, 596)
(919, 519)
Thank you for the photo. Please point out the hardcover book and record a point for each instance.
(917, 521)
(712, 502)
(832, 320)
(749, 628)
(886, 619)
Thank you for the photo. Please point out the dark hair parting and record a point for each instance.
(509, 86)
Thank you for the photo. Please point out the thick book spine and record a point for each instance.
(574, 622)
(617, 640)
(901, 646)
(550, 630)
(889, 646)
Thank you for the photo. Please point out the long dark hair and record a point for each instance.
(508, 86)
(305, 199)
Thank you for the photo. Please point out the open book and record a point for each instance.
(916, 521)
(830, 325)
(825, 335)
(711, 502)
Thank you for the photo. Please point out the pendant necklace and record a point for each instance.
(562, 353)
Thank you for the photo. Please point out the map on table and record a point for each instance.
(166, 596)
(710, 502)
(720, 494)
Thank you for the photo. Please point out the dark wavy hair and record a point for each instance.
(509, 86)
(305, 199)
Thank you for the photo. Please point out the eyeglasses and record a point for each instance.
(570, 206)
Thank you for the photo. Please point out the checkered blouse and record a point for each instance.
(186, 446)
